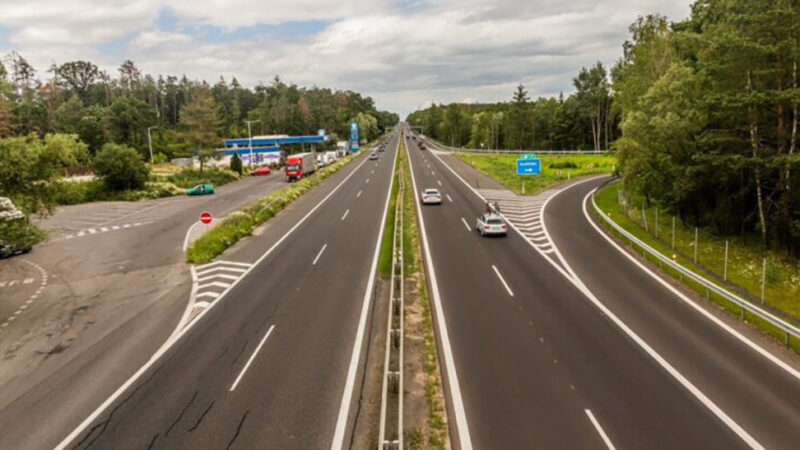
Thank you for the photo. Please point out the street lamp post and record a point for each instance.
(250, 139)
(150, 142)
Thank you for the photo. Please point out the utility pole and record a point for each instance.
(150, 142)
(250, 139)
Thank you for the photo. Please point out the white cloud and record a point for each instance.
(404, 56)
(152, 38)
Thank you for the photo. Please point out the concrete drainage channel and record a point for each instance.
(390, 434)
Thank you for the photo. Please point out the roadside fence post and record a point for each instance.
(695, 245)
(763, 278)
(673, 233)
(656, 222)
(725, 269)
(644, 217)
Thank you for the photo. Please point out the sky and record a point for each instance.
(405, 54)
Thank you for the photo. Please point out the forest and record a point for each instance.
(78, 97)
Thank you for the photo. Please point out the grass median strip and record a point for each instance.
(432, 432)
(555, 168)
(241, 223)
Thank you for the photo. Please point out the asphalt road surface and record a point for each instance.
(539, 365)
(270, 363)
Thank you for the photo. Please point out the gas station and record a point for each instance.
(266, 149)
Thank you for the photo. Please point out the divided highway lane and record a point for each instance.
(538, 366)
(755, 391)
(268, 365)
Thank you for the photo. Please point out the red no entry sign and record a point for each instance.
(206, 218)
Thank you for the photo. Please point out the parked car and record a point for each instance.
(201, 189)
(16, 235)
(263, 170)
(431, 197)
(491, 223)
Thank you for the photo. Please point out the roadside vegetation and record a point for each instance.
(385, 256)
(745, 259)
(555, 169)
(241, 223)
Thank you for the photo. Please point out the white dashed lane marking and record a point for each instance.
(34, 296)
(90, 231)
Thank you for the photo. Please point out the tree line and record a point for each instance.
(709, 117)
(78, 97)
(584, 120)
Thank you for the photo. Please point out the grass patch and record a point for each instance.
(555, 168)
(242, 223)
(438, 436)
(744, 261)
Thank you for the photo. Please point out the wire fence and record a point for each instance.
(729, 271)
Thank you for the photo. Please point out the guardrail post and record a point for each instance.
(695, 244)
(644, 217)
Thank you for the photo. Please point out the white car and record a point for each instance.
(491, 224)
(431, 197)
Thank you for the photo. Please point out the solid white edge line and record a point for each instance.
(642, 344)
(502, 280)
(352, 371)
(252, 357)
(599, 429)
(176, 337)
(462, 426)
(345, 214)
(757, 348)
(188, 233)
(466, 225)
(319, 254)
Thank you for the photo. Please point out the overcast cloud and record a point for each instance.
(404, 54)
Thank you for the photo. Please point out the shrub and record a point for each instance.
(120, 167)
(236, 164)
(187, 178)
(563, 165)
(159, 158)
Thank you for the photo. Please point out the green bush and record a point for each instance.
(563, 165)
(120, 167)
(187, 178)
(160, 158)
(236, 164)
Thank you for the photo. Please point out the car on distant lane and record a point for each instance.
(264, 170)
(431, 197)
(373, 156)
(491, 224)
(201, 189)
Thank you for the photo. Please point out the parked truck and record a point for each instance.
(299, 165)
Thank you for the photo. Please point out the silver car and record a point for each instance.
(431, 197)
(491, 224)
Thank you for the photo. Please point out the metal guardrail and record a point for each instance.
(745, 305)
(504, 151)
(393, 361)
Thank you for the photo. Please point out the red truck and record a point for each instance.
(299, 165)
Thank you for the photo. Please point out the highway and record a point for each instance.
(275, 359)
(538, 364)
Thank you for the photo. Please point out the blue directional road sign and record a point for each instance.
(529, 164)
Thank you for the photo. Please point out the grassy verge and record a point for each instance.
(555, 169)
(436, 433)
(744, 260)
(242, 223)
